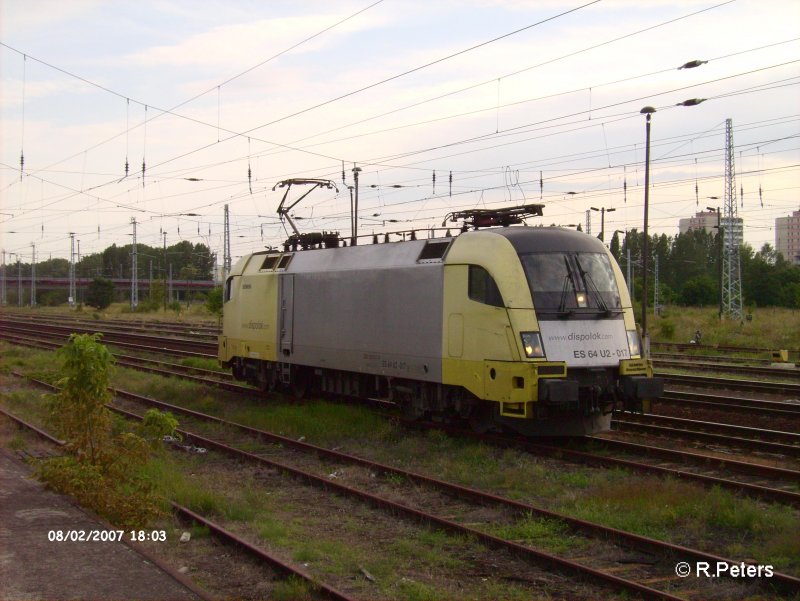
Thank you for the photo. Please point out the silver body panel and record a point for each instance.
(370, 309)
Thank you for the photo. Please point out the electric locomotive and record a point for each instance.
(503, 325)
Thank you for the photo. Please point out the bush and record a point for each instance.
(667, 331)
(104, 467)
(700, 291)
(214, 301)
(100, 293)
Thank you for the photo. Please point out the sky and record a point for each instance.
(443, 105)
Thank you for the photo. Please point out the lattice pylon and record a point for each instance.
(731, 265)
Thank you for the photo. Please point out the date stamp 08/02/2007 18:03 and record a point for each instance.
(136, 536)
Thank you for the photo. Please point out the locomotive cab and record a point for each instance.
(572, 351)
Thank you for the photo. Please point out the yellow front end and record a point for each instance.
(481, 351)
(250, 312)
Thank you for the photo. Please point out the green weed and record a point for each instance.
(541, 533)
(201, 363)
(293, 589)
(17, 442)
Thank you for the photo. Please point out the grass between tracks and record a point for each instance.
(683, 513)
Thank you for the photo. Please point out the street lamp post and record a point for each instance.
(603, 211)
(648, 111)
(33, 275)
(628, 272)
(356, 171)
(19, 281)
(165, 271)
(719, 253)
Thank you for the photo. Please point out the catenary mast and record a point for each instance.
(731, 268)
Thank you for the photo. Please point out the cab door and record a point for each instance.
(286, 314)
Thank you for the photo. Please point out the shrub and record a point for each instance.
(104, 467)
(667, 331)
(214, 301)
(100, 293)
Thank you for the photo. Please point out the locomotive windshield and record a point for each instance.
(572, 284)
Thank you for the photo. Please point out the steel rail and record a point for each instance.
(759, 491)
(218, 530)
(680, 456)
(220, 379)
(781, 580)
(730, 403)
(41, 433)
(727, 349)
(706, 437)
(586, 458)
(419, 516)
(209, 349)
(730, 383)
(259, 553)
(671, 397)
(155, 344)
(193, 329)
(791, 373)
(774, 441)
(182, 579)
(711, 358)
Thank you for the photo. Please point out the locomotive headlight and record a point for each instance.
(532, 343)
(580, 299)
(634, 343)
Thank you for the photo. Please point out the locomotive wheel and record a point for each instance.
(301, 383)
(481, 418)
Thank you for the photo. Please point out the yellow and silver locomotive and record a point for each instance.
(527, 328)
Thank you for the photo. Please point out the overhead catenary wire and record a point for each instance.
(150, 174)
(119, 205)
(622, 37)
(171, 111)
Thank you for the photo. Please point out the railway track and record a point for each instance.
(205, 328)
(778, 388)
(765, 441)
(148, 343)
(705, 472)
(730, 403)
(648, 571)
(789, 373)
(724, 349)
(774, 491)
(199, 330)
(191, 340)
(223, 535)
(225, 381)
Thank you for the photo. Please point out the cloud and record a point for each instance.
(24, 17)
(37, 89)
(249, 43)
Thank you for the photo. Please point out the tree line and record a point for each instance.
(689, 270)
(187, 261)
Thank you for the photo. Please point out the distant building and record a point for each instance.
(787, 237)
(707, 220)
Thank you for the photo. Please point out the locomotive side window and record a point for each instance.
(270, 262)
(433, 250)
(228, 295)
(482, 287)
